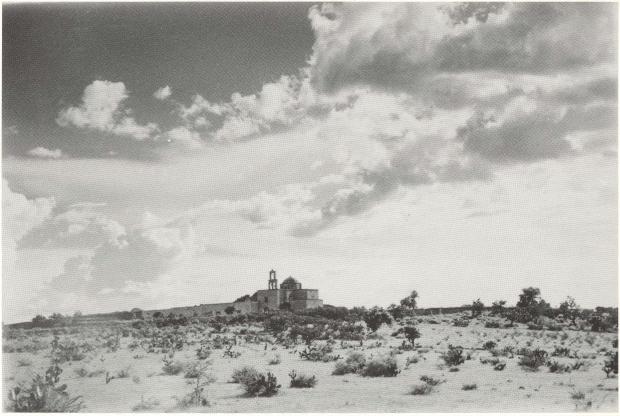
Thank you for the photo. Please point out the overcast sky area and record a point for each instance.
(159, 155)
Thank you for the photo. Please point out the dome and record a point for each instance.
(290, 283)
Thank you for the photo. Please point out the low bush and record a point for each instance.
(489, 345)
(319, 353)
(263, 385)
(243, 373)
(171, 366)
(354, 363)
(492, 324)
(301, 380)
(381, 367)
(462, 323)
(557, 367)
(454, 356)
(421, 389)
(43, 395)
(531, 360)
(431, 381)
(468, 387)
(275, 360)
(611, 365)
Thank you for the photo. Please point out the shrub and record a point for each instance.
(431, 381)
(148, 404)
(43, 395)
(411, 333)
(381, 367)
(476, 308)
(275, 360)
(427, 387)
(611, 365)
(497, 308)
(460, 323)
(243, 373)
(171, 366)
(301, 380)
(454, 356)
(196, 397)
(421, 389)
(467, 387)
(261, 385)
(203, 352)
(531, 360)
(376, 317)
(492, 324)
(561, 352)
(499, 366)
(557, 367)
(354, 363)
(489, 345)
(318, 353)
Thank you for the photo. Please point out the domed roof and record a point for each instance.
(290, 280)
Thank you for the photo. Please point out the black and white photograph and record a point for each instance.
(304, 207)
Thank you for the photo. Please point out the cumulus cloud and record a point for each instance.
(20, 215)
(145, 252)
(80, 226)
(102, 109)
(44, 153)
(401, 45)
(163, 93)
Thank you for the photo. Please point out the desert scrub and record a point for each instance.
(148, 404)
(301, 380)
(354, 363)
(43, 395)
(262, 385)
(557, 367)
(611, 365)
(531, 360)
(381, 367)
(454, 356)
(426, 388)
(197, 397)
(171, 366)
(468, 387)
(24, 362)
(243, 373)
(319, 353)
(275, 360)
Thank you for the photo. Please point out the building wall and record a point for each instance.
(269, 299)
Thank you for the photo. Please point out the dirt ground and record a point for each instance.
(512, 389)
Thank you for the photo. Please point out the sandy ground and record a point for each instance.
(512, 389)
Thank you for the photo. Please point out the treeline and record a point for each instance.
(529, 309)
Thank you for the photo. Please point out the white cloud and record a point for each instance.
(101, 109)
(163, 93)
(45, 153)
(20, 215)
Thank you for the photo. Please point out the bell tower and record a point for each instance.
(273, 282)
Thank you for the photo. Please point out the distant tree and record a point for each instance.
(243, 298)
(529, 297)
(476, 308)
(498, 307)
(411, 333)
(39, 319)
(56, 316)
(137, 313)
(77, 314)
(229, 310)
(569, 309)
(410, 302)
(397, 311)
(158, 315)
(376, 317)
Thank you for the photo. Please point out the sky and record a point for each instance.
(159, 155)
